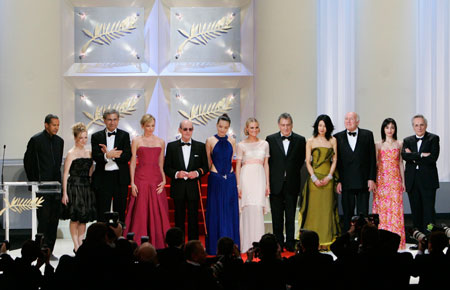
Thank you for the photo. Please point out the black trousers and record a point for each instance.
(283, 208)
(422, 202)
(350, 199)
(181, 203)
(48, 217)
(111, 189)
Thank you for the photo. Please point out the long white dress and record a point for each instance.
(253, 204)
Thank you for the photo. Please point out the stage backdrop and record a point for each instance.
(90, 105)
(203, 107)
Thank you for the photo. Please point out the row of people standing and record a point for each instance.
(266, 170)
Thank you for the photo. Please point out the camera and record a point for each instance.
(130, 236)
(7, 244)
(112, 218)
(423, 237)
(144, 239)
(256, 249)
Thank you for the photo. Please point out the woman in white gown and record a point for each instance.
(252, 174)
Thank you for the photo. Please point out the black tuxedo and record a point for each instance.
(182, 190)
(111, 184)
(42, 162)
(285, 183)
(355, 169)
(421, 178)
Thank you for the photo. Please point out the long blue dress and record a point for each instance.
(222, 210)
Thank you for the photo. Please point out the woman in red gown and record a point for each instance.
(148, 213)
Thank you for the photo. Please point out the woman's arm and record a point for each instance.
(238, 169)
(334, 163)
(266, 171)
(161, 167)
(67, 163)
(208, 151)
(134, 147)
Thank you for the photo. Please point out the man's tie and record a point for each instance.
(187, 144)
(111, 133)
(286, 137)
(352, 134)
(419, 139)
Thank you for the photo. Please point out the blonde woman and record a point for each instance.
(78, 197)
(148, 211)
(252, 173)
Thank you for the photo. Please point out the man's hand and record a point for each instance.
(426, 154)
(407, 150)
(372, 186)
(182, 174)
(192, 175)
(339, 188)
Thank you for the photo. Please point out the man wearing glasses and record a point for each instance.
(185, 164)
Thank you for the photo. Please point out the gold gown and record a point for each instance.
(319, 210)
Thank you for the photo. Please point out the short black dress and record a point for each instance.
(81, 205)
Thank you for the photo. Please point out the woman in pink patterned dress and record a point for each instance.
(388, 196)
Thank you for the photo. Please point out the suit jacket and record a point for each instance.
(122, 142)
(291, 164)
(356, 167)
(43, 158)
(427, 173)
(175, 162)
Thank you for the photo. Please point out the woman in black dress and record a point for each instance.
(78, 197)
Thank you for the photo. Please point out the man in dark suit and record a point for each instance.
(421, 152)
(356, 167)
(111, 152)
(185, 163)
(42, 162)
(287, 156)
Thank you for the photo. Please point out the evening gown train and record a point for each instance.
(318, 209)
(81, 205)
(222, 213)
(148, 213)
(253, 203)
(388, 196)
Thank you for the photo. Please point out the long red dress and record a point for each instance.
(388, 197)
(148, 213)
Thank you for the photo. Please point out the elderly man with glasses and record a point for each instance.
(185, 164)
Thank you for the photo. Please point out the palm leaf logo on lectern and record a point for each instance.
(202, 34)
(106, 33)
(21, 204)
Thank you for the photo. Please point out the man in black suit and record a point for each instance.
(111, 152)
(42, 162)
(356, 166)
(287, 156)
(185, 163)
(421, 152)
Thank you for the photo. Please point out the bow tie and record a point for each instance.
(187, 144)
(352, 134)
(286, 137)
(111, 133)
(419, 139)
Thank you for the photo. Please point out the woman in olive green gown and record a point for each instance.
(318, 203)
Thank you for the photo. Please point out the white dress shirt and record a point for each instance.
(419, 143)
(286, 143)
(110, 165)
(186, 155)
(352, 139)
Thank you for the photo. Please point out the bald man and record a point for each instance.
(356, 166)
(185, 164)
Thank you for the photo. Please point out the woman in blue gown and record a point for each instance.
(222, 211)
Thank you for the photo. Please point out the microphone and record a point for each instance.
(3, 166)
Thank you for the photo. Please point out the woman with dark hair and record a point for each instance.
(318, 209)
(388, 196)
(222, 212)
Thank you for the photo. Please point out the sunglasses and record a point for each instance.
(188, 129)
